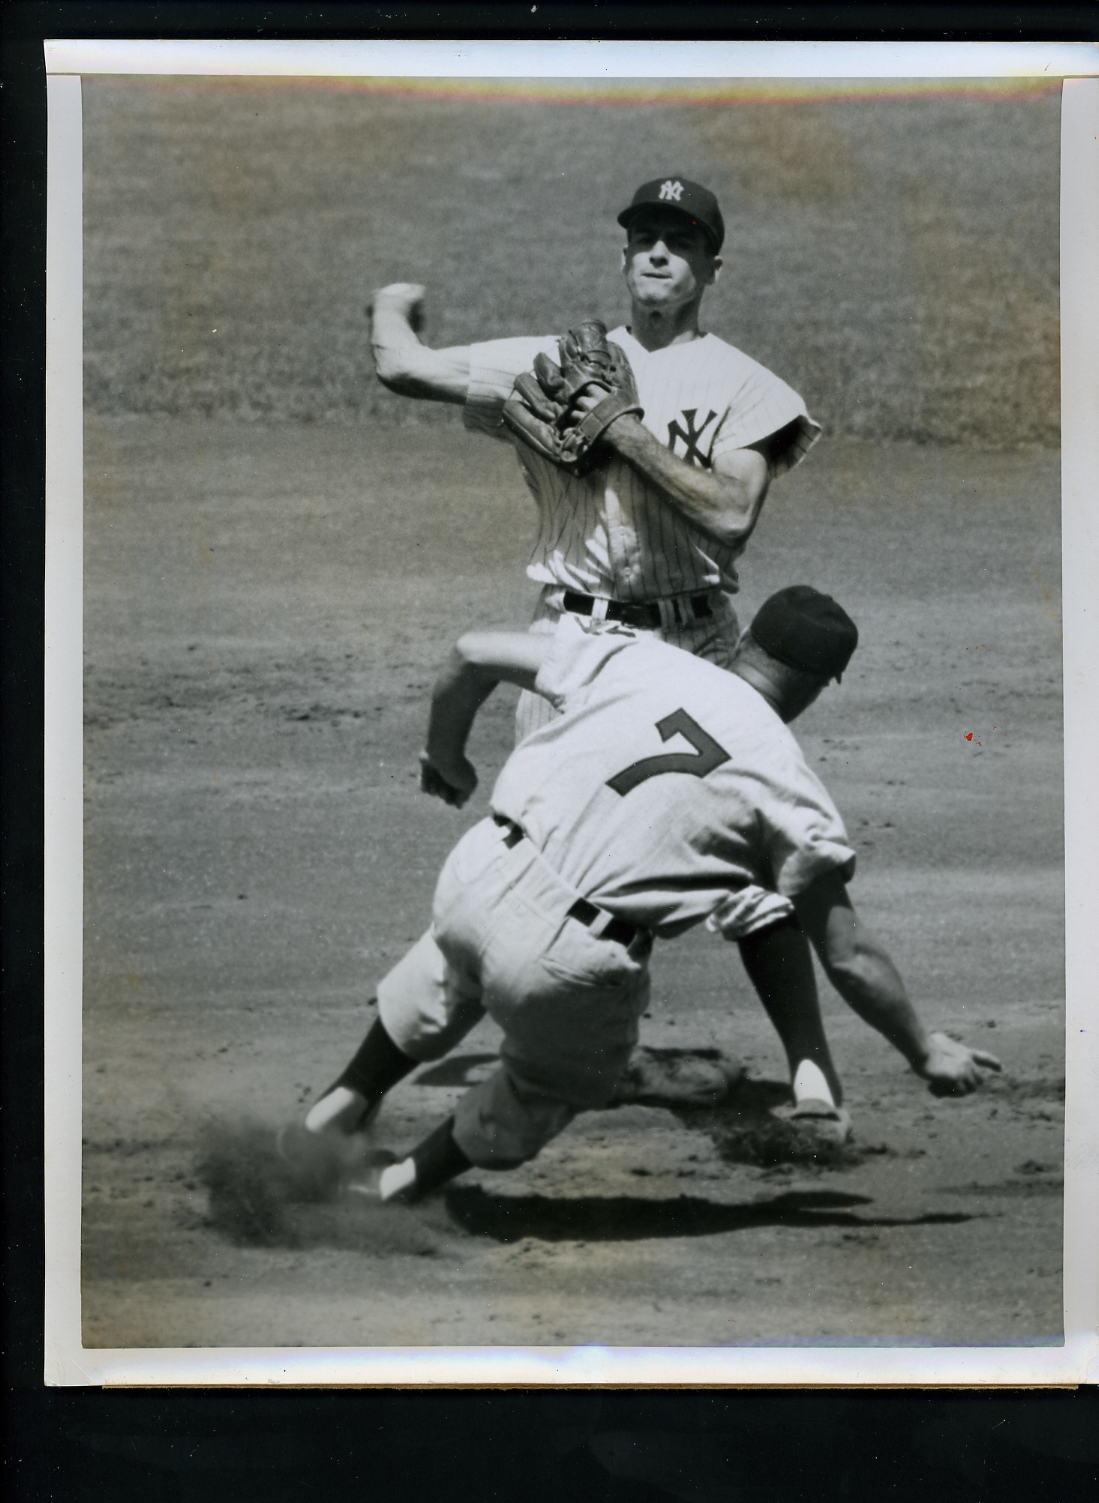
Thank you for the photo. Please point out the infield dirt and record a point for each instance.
(257, 855)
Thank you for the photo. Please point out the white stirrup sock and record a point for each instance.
(339, 1111)
(810, 1084)
(396, 1177)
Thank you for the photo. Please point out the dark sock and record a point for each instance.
(438, 1159)
(377, 1066)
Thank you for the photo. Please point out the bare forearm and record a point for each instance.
(859, 967)
(866, 978)
(724, 505)
(870, 984)
(477, 663)
(460, 690)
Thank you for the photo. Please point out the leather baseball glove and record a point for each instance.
(546, 412)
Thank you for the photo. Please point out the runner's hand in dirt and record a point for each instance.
(952, 1068)
(453, 783)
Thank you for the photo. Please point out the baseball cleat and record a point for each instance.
(365, 1182)
(823, 1119)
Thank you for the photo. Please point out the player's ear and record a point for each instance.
(716, 264)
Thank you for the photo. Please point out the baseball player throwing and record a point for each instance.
(651, 534)
(664, 792)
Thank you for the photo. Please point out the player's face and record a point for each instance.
(667, 261)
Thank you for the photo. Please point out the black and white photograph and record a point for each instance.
(572, 760)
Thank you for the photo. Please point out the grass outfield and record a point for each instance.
(894, 258)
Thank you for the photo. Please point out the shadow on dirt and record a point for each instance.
(257, 1199)
(625, 1218)
(743, 1126)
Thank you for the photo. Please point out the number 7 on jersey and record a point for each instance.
(707, 754)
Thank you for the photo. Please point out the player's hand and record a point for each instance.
(952, 1068)
(453, 783)
(588, 401)
(406, 299)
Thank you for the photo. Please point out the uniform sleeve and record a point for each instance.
(493, 367)
(747, 910)
(803, 834)
(579, 651)
(765, 405)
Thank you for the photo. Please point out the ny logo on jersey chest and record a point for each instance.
(690, 435)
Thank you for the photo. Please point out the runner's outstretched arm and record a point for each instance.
(863, 973)
(478, 662)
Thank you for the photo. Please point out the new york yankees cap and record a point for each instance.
(805, 629)
(685, 197)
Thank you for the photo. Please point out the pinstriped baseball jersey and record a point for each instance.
(667, 790)
(611, 533)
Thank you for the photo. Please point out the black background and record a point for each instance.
(75, 1444)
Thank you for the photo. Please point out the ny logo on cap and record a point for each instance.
(671, 191)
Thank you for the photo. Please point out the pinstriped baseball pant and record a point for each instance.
(713, 637)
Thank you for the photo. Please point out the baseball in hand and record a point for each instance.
(403, 298)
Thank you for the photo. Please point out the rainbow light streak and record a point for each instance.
(642, 93)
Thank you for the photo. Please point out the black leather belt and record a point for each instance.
(513, 833)
(644, 614)
(618, 929)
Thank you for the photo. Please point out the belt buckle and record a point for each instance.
(643, 615)
(595, 919)
(600, 922)
(688, 608)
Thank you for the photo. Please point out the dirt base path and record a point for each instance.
(257, 855)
